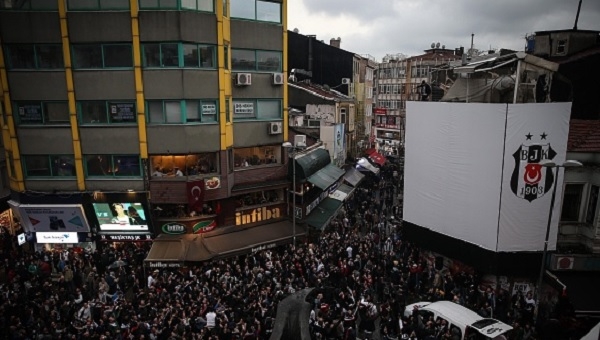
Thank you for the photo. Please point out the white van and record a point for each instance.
(460, 319)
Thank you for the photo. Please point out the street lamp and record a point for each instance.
(294, 151)
(550, 164)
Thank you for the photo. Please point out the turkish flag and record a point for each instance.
(195, 192)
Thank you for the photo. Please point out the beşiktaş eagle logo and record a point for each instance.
(530, 180)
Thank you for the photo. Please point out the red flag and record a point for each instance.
(195, 192)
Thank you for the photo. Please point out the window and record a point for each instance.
(179, 55)
(102, 56)
(227, 110)
(112, 165)
(590, 217)
(49, 166)
(257, 109)
(343, 116)
(571, 202)
(29, 5)
(195, 5)
(97, 4)
(181, 111)
(42, 112)
(225, 8)
(106, 112)
(34, 57)
(251, 60)
(256, 10)
(189, 165)
(561, 46)
(256, 156)
(259, 198)
(226, 56)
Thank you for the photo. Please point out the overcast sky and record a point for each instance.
(380, 27)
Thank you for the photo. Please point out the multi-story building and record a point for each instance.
(364, 89)
(172, 108)
(397, 81)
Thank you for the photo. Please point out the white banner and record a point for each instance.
(50, 218)
(56, 237)
(462, 178)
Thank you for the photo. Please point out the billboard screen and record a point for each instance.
(472, 171)
(121, 216)
(50, 217)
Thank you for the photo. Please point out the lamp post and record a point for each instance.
(549, 164)
(294, 150)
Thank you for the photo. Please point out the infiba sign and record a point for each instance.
(256, 215)
(173, 228)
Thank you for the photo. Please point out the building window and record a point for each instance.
(179, 55)
(252, 60)
(88, 5)
(226, 56)
(343, 115)
(227, 110)
(181, 111)
(259, 198)
(257, 109)
(195, 5)
(184, 165)
(225, 8)
(258, 10)
(256, 156)
(571, 202)
(561, 46)
(34, 57)
(102, 56)
(49, 166)
(45, 113)
(590, 217)
(112, 165)
(106, 112)
(30, 5)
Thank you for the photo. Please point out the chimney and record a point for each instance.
(335, 42)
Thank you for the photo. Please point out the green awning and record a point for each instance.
(345, 189)
(320, 216)
(325, 177)
(333, 171)
(353, 176)
(309, 163)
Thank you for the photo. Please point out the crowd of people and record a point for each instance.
(363, 270)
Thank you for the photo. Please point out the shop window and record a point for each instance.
(106, 112)
(188, 165)
(181, 111)
(571, 202)
(253, 60)
(195, 5)
(44, 113)
(91, 5)
(257, 109)
(259, 198)
(256, 156)
(112, 165)
(179, 55)
(259, 10)
(34, 57)
(30, 5)
(100, 56)
(49, 166)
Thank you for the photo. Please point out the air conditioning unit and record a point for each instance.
(299, 140)
(345, 81)
(277, 78)
(243, 79)
(275, 128)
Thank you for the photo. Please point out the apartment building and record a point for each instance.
(175, 109)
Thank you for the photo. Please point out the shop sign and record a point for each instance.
(379, 110)
(243, 109)
(122, 112)
(212, 183)
(53, 218)
(204, 226)
(164, 265)
(21, 239)
(263, 247)
(313, 205)
(257, 215)
(56, 237)
(120, 238)
(173, 228)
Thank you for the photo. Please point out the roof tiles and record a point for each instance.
(584, 136)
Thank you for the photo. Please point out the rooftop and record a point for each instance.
(584, 136)
(321, 91)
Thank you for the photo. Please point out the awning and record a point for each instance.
(309, 163)
(325, 177)
(167, 248)
(353, 176)
(342, 192)
(248, 240)
(363, 162)
(321, 215)
(377, 158)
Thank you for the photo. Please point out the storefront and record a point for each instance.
(55, 227)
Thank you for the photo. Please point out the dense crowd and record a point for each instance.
(364, 272)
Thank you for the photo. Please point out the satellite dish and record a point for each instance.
(296, 30)
(433, 45)
(437, 45)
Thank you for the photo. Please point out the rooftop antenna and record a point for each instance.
(577, 16)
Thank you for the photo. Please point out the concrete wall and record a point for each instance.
(109, 140)
(49, 85)
(50, 140)
(256, 35)
(178, 26)
(163, 139)
(262, 87)
(114, 184)
(104, 84)
(29, 27)
(180, 84)
(99, 26)
(51, 185)
(246, 134)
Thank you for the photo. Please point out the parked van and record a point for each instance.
(461, 320)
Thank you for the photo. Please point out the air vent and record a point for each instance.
(275, 128)
(277, 78)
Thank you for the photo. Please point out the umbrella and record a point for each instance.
(117, 264)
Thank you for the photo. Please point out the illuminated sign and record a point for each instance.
(56, 237)
(21, 239)
(173, 228)
(256, 215)
(164, 265)
(121, 216)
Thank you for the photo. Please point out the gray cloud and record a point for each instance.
(409, 26)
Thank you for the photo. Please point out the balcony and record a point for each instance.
(579, 237)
